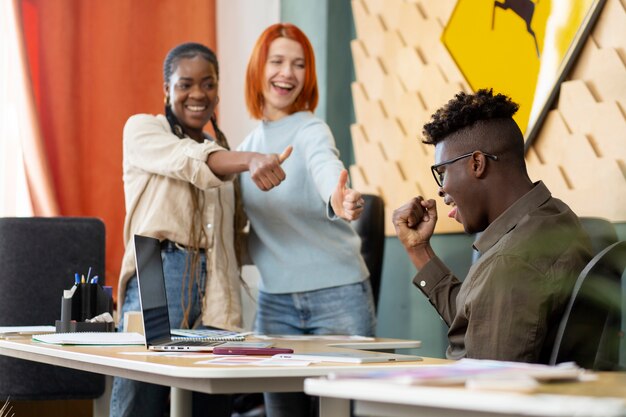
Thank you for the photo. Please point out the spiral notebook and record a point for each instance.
(218, 335)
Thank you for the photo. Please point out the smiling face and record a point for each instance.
(460, 188)
(192, 92)
(283, 78)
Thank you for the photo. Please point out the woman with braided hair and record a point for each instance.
(180, 187)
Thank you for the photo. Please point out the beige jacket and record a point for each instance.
(158, 167)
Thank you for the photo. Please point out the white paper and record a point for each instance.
(251, 360)
(26, 329)
(92, 338)
(298, 337)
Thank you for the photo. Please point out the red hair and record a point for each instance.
(307, 99)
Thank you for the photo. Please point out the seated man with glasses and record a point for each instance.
(532, 247)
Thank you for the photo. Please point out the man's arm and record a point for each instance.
(440, 286)
(415, 223)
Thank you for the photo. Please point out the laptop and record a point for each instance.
(153, 301)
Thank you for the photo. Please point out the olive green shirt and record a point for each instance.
(511, 302)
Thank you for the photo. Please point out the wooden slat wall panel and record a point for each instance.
(404, 73)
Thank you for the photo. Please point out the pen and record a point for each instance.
(76, 278)
(82, 279)
(88, 274)
(94, 280)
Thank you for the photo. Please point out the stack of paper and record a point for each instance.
(92, 338)
(9, 332)
(465, 370)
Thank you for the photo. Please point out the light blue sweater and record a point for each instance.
(295, 241)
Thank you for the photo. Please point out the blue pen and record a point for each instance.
(94, 280)
(76, 278)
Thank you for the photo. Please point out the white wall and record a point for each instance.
(239, 24)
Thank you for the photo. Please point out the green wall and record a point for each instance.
(330, 28)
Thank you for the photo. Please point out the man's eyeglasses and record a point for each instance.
(440, 176)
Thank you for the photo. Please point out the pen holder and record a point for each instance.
(86, 302)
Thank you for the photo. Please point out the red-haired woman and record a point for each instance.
(313, 278)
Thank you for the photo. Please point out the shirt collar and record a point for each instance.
(512, 216)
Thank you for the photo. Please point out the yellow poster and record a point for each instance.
(517, 47)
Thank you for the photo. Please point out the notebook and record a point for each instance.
(153, 301)
(91, 338)
(209, 334)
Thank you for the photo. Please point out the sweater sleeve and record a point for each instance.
(321, 156)
(150, 147)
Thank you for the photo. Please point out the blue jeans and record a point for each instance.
(134, 398)
(347, 309)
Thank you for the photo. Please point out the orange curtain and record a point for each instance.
(93, 64)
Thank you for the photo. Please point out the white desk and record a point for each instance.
(605, 397)
(184, 375)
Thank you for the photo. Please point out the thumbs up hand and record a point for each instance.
(265, 169)
(346, 202)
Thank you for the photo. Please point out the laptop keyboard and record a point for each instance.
(194, 343)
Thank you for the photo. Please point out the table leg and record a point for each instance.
(180, 403)
(334, 407)
(101, 404)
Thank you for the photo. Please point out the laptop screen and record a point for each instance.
(152, 294)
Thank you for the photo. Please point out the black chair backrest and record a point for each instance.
(590, 330)
(371, 228)
(38, 258)
(601, 232)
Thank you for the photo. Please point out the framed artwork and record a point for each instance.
(521, 48)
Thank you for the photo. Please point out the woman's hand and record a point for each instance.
(265, 169)
(346, 202)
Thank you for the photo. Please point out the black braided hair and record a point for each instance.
(182, 51)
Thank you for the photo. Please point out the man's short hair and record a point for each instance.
(466, 109)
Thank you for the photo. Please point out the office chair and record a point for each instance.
(38, 258)
(371, 228)
(601, 232)
(590, 330)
